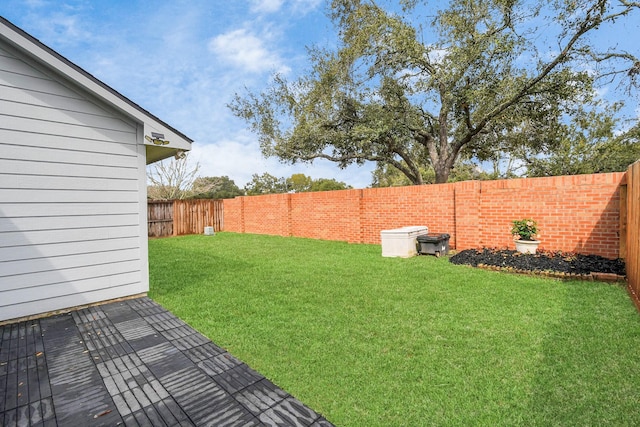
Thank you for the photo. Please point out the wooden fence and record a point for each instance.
(179, 217)
(630, 209)
(159, 218)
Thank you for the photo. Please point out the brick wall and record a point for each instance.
(233, 214)
(393, 207)
(574, 213)
(267, 214)
(328, 215)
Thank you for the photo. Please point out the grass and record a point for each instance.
(373, 341)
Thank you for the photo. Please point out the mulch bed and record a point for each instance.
(554, 264)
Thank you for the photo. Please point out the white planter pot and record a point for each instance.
(527, 246)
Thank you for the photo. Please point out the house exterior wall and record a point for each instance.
(72, 195)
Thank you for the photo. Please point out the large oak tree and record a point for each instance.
(412, 91)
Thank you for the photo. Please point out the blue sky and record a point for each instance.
(184, 60)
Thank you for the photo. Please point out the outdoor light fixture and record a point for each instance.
(156, 138)
(180, 154)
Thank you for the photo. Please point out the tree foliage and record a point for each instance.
(296, 183)
(215, 187)
(587, 145)
(402, 90)
(388, 176)
(265, 184)
(326, 184)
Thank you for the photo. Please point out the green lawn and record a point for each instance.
(373, 341)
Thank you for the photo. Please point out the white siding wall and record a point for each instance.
(72, 194)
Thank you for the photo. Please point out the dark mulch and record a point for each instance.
(569, 263)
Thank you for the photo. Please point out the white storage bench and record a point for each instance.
(401, 242)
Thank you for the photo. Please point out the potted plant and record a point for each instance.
(525, 233)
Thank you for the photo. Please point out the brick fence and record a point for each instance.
(578, 213)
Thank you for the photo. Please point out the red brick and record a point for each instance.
(574, 213)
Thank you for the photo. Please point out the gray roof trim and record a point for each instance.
(52, 59)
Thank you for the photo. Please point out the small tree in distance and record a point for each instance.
(171, 178)
(215, 187)
(265, 184)
(297, 183)
(326, 184)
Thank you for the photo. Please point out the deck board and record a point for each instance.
(132, 363)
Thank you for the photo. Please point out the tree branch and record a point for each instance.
(587, 24)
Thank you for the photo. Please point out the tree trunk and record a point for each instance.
(442, 172)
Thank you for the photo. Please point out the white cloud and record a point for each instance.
(239, 157)
(62, 29)
(297, 7)
(305, 6)
(185, 64)
(247, 51)
(266, 6)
